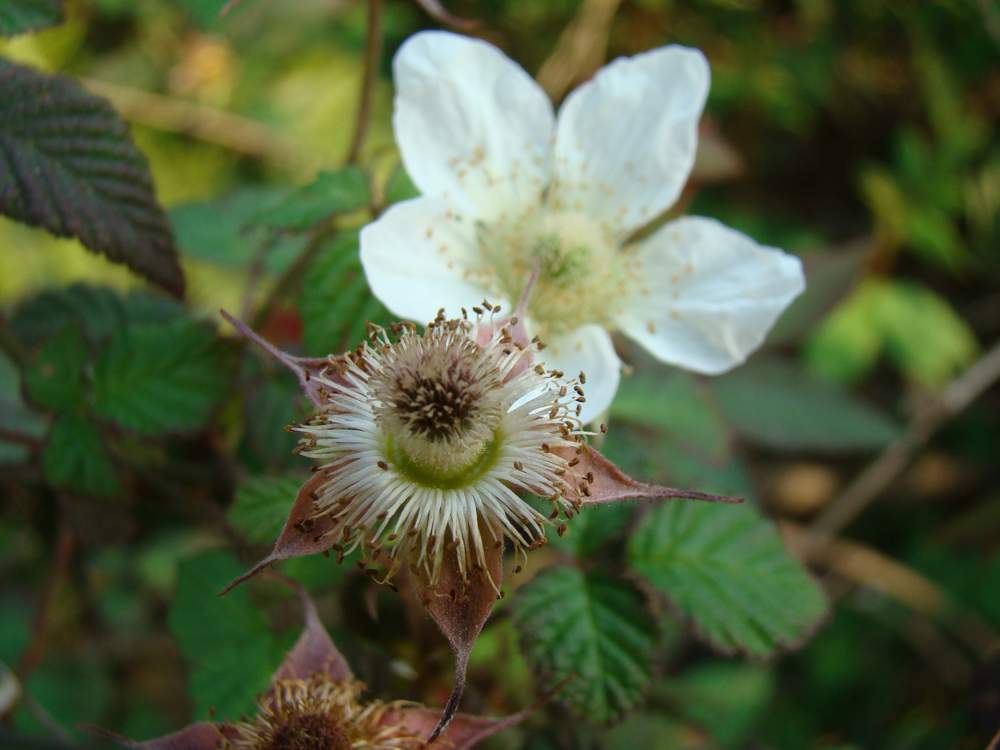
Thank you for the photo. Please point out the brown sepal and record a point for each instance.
(611, 484)
(314, 651)
(460, 608)
(302, 535)
(200, 736)
(463, 732)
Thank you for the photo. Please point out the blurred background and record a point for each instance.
(859, 134)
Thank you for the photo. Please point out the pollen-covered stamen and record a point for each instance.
(582, 270)
(309, 732)
(429, 440)
(438, 399)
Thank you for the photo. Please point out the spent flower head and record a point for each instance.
(508, 187)
(315, 703)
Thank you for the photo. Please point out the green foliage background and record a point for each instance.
(143, 460)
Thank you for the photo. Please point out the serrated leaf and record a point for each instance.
(14, 414)
(159, 377)
(18, 16)
(676, 405)
(591, 626)
(74, 458)
(54, 379)
(99, 310)
(270, 407)
(777, 404)
(262, 505)
(67, 164)
(226, 641)
(338, 192)
(648, 454)
(726, 569)
(335, 302)
(222, 230)
(593, 527)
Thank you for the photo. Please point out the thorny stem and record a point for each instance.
(373, 53)
(881, 472)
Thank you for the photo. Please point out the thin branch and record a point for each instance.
(887, 467)
(868, 567)
(34, 652)
(21, 438)
(207, 124)
(290, 277)
(439, 13)
(581, 47)
(373, 55)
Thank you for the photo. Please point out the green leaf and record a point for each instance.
(648, 732)
(336, 302)
(592, 528)
(829, 277)
(726, 698)
(400, 187)
(274, 404)
(222, 230)
(55, 378)
(676, 405)
(594, 627)
(71, 692)
(338, 192)
(915, 327)
(14, 414)
(648, 454)
(18, 16)
(159, 377)
(726, 569)
(67, 164)
(777, 404)
(262, 505)
(226, 641)
(99, 310)
(74, 458)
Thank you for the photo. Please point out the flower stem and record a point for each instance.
(373, 53)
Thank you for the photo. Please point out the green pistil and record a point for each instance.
(434, 477)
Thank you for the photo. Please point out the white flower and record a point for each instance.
(425, 440)
(508, 187)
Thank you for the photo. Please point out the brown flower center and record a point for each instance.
(309, 732)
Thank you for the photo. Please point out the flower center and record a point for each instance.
(309, 732)
(439, 405)
(581, 269)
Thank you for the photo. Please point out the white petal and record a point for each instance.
(420, 256)
(710, 294)
(626, 140)
(472, 126)
(588, 349)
